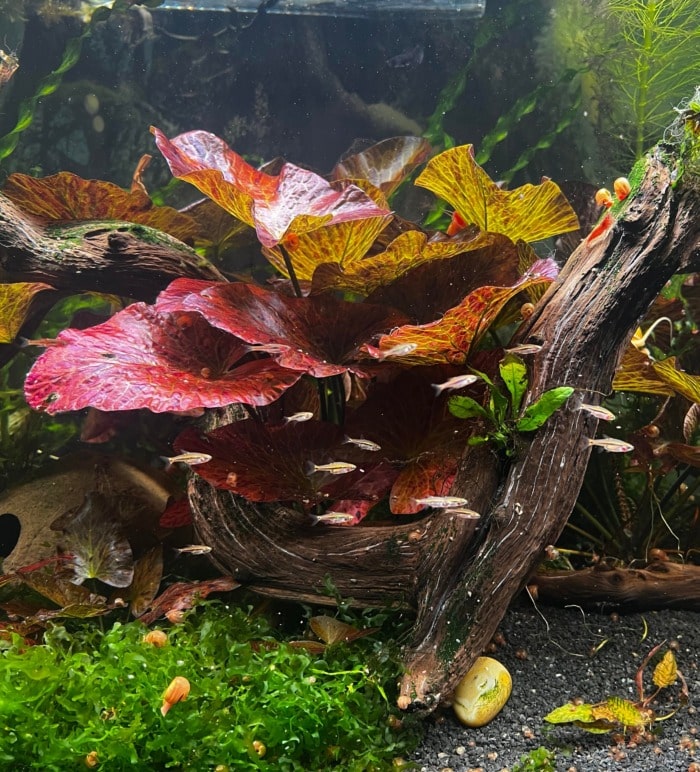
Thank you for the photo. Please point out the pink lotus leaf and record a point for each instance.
(295, 201)
(141, 358)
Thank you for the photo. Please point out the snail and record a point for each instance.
(482, 693)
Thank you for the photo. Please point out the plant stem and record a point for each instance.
(290, 270)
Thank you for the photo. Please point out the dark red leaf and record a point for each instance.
(320, 335)
(270, 463)
(183, 595)
(176, 515)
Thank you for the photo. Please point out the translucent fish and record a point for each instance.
(333, 518)
(442, 502)
(601, 413)
(611, 445)
(524, 348)
(302, 415)
(193, 549)
(456, 382)
(332, 467)
(467, 514)
(188, 458)
(400, 350)
(361, 443)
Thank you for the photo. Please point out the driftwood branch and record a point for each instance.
(658, 585)
(460, 576)
(124, 259)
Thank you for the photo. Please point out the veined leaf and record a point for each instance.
(15, 301)
(626, 713)
(331, 630)
(530, 212)
(65, 196)
(682, 383)
(567, 714)
(466, 407)
(95, 538)
(666, 672)
(537, 413)
(637, 373)
(514, 374)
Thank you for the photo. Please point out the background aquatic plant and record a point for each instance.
(635, 59)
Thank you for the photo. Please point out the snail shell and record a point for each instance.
(482, 693)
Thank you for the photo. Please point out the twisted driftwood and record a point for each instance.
(458, 575)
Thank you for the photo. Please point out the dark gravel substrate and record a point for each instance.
(553, 662)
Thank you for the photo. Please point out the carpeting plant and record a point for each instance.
(94, 697)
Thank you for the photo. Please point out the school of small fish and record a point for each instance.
(442, 502)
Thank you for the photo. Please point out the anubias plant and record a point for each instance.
(335, 364)
(502, 412)
(619, 714)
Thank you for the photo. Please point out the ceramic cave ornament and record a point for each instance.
(482, 693)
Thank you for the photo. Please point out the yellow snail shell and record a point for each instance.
(482, 693)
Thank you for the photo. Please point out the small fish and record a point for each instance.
(524, 348)
(467, 514)
(601, 413)
(407, 59)
(188, 457)
(611, 445)
(268, 348)
(400, 350)
(332, 518)
(361, 443)
(442, 502)
(332, 467)
(303, 415)
(193, 549)
(456, 382)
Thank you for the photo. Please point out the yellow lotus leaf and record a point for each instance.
(406, 251)
(15, 301)
(343, 243)
(666, 672)
(638, 373)
(681, 383)
(530, 212)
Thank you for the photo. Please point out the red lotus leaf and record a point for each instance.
(183, 595)
(141, 358)
(530, 212)
(15, 301)
(320, 335)
(405, 253)
(270, 463)
(385, 164)
(450, 339)
(65, 196)
(176, 515)
(431, 474)
(417, 434)
(295, 201)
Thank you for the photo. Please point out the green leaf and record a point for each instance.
(466, 407)
(479, 440)
(567, 714)
(537, 413)
(514, 374)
